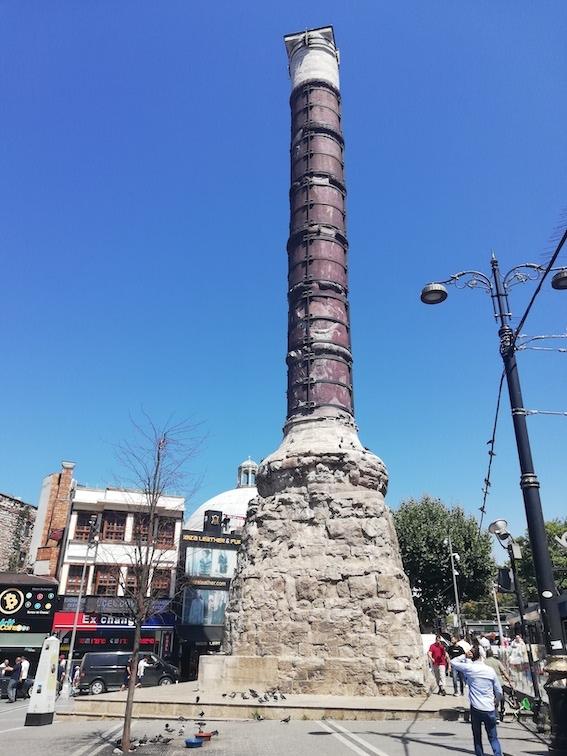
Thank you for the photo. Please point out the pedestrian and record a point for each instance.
(24, 682)
(61, 667)
(14, 680)
(142, 664)
(5, 668)
(126, 675)
(453, 651)
(485, 692)
(439, 661)
(498, 667)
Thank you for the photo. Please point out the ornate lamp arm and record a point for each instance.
(471, 279)
(521, 274)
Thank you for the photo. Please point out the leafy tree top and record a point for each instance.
(423, 525)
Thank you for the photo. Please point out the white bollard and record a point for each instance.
(44, 691)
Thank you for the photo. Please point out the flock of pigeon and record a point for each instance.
(269, 696)
(163, 740)
(272, 695)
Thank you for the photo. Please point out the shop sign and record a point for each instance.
(204, 582)
(25, 609)
(197, 537)
(108, 604)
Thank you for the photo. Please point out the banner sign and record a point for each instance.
(196, 538)
(25, 609)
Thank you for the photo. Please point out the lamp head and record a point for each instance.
(499, 528)
(433, 293)
(559, 280)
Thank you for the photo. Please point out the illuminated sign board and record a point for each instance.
(26, 609)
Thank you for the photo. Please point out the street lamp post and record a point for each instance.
(454, 573)
(91, 541)
(498, 289)
(499, 528)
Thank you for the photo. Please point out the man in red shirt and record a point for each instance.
(439, 661)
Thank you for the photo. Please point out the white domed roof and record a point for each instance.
(233, 504)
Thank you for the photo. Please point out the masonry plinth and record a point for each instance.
(320, 602)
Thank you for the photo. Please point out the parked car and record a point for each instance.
(104, 671)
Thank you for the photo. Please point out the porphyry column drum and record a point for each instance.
(319, 602)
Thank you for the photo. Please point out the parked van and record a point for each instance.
(100, 672)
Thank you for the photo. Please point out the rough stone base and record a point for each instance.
(319, 589)
(331, 676)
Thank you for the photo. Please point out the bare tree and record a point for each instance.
(156, 463)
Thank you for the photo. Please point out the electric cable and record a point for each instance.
(549, 266)
(491, 454)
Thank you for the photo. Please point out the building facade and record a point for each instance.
(16, 525)
(91, 540)
(208, 552)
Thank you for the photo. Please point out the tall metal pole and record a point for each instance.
(529, 483)
(66, 689)
(522, 613)
(455, 587)
(498, 620)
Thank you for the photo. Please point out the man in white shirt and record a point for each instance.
(142, 664)
(25, 687)
(485, 692)
(25, 669)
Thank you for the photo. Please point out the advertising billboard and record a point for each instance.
(202, 606)
(207, 562)
(26, 609)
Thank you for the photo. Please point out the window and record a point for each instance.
(113, 526)
(106, 581)
(74, 579)
(161, 582)
(141, 528)
(166, 533)
(83, 526)
(133, 580)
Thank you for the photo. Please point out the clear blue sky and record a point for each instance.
(143, 221)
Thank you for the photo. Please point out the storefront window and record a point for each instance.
(113, 526)
(106, 581)
(205, 562)
(204, 607)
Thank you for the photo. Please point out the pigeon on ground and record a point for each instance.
(286, 720)
(201, 713)
(181, 719)
(261, 699)
(224, 695)
(143, 740)
(283, 697)
(181, 731)
(253, 693)
(167, 728)
(197, 699)
(214, 732)
(165, 741)
(245, 696)
(200, 725)
(258, 717)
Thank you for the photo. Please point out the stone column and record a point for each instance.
(320, 602)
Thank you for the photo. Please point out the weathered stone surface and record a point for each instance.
(319, 587)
